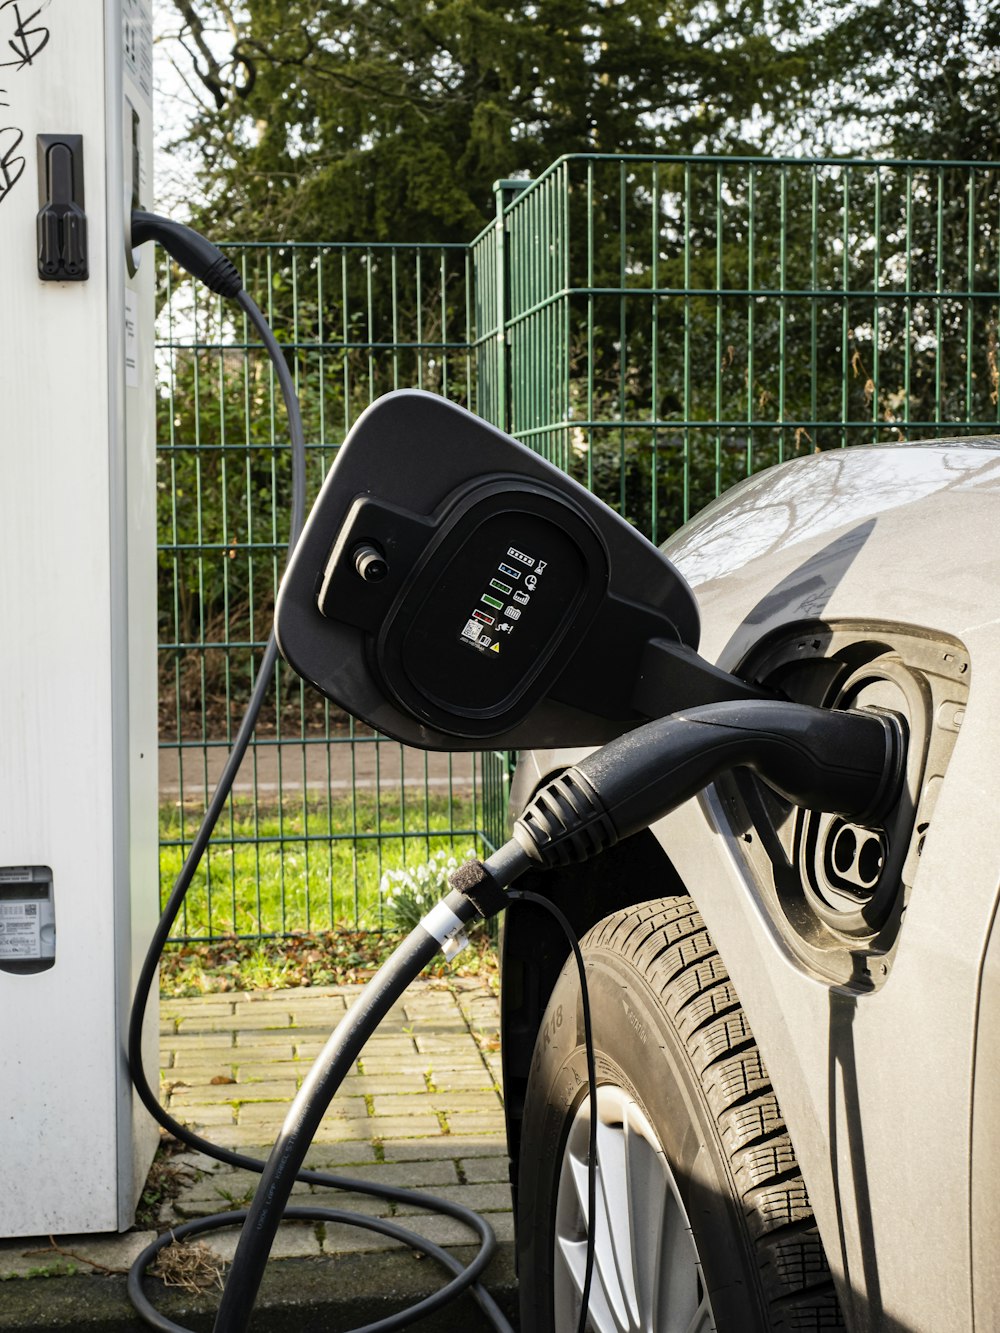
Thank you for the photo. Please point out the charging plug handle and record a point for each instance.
(850, 763)
(193, 252)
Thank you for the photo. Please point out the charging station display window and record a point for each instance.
(27, 919)
(492, 610)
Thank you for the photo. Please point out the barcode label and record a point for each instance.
(18, 909)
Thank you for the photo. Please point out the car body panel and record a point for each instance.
(895, 1133)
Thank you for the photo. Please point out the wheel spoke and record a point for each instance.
(614, 1224)
(646, 1170)
(601, 1317)
(646, 1276)
(701, 1321)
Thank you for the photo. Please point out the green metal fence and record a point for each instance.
(659, 327)
(322, 805)
(672, 324)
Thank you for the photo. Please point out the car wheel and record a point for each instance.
(702, 1216)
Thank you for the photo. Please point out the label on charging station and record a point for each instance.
(27, 918)
(20, 930)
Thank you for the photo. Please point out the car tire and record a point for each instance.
(703, 1220)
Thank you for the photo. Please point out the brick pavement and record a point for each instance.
(421, 1109)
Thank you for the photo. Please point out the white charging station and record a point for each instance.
(78, 813)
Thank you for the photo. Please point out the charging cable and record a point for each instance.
(850, 763)
(209, 265)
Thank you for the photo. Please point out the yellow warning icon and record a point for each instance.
(495, 648)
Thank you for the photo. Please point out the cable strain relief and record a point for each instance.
(475, 882)
(223, 277)
(565, 823)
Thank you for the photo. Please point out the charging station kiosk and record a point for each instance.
(78, 758)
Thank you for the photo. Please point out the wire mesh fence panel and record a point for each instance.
(659, 327)
(322, 805)
(674, 324)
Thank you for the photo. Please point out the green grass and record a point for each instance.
(296, 867)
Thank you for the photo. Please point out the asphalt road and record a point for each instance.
(316, 765)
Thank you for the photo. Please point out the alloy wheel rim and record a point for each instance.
(647, 1275)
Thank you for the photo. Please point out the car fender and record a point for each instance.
(878, 1089)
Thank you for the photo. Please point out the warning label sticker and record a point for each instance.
(19, 930)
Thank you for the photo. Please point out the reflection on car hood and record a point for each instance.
(905, 533)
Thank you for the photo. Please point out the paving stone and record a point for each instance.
(445, 1230)
(197, 1076)
(403, 1127)
(428, 1033)
(376, 1065)
(226, 1183)
(360, 1084)
(197, 1161)
(480, 1170)
(295, 1240)
(471, 1122)
(448, 1101)
(198, 1117)
(259, 1113)
(263, 1021)
(440, 1228)
(428, 1043)
(195, 1008)
(335, 1131)
(409, 1175)
(455, 1146)
(288, 1075)
(484, 1198)
(308, 1048)
(450, 1025)
(468, 1080)
(214, 1061)
(297, 993)
(204, 1205)
(186, 1041)
(111, 1250)
(282, 1091)
(268, 1048)
(339, 1238)
(342, 1156)
(312, 1032)
(246, 1138)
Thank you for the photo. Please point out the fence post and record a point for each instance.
(504, 193)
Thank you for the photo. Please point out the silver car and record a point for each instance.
(797, 1016)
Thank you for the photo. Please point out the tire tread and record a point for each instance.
(667, 943)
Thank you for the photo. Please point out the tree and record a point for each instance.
(391, 119)
(919, 81)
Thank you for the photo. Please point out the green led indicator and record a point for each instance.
(491, 601)
(505, 588)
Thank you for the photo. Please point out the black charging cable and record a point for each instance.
(208, 264)
(847, 762)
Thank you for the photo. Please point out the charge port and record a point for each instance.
(851, 862)
(839, 889)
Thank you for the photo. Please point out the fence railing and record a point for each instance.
(672, 324)
(659, 327)
(322, 805)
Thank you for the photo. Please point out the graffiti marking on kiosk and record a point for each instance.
(25, 41)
